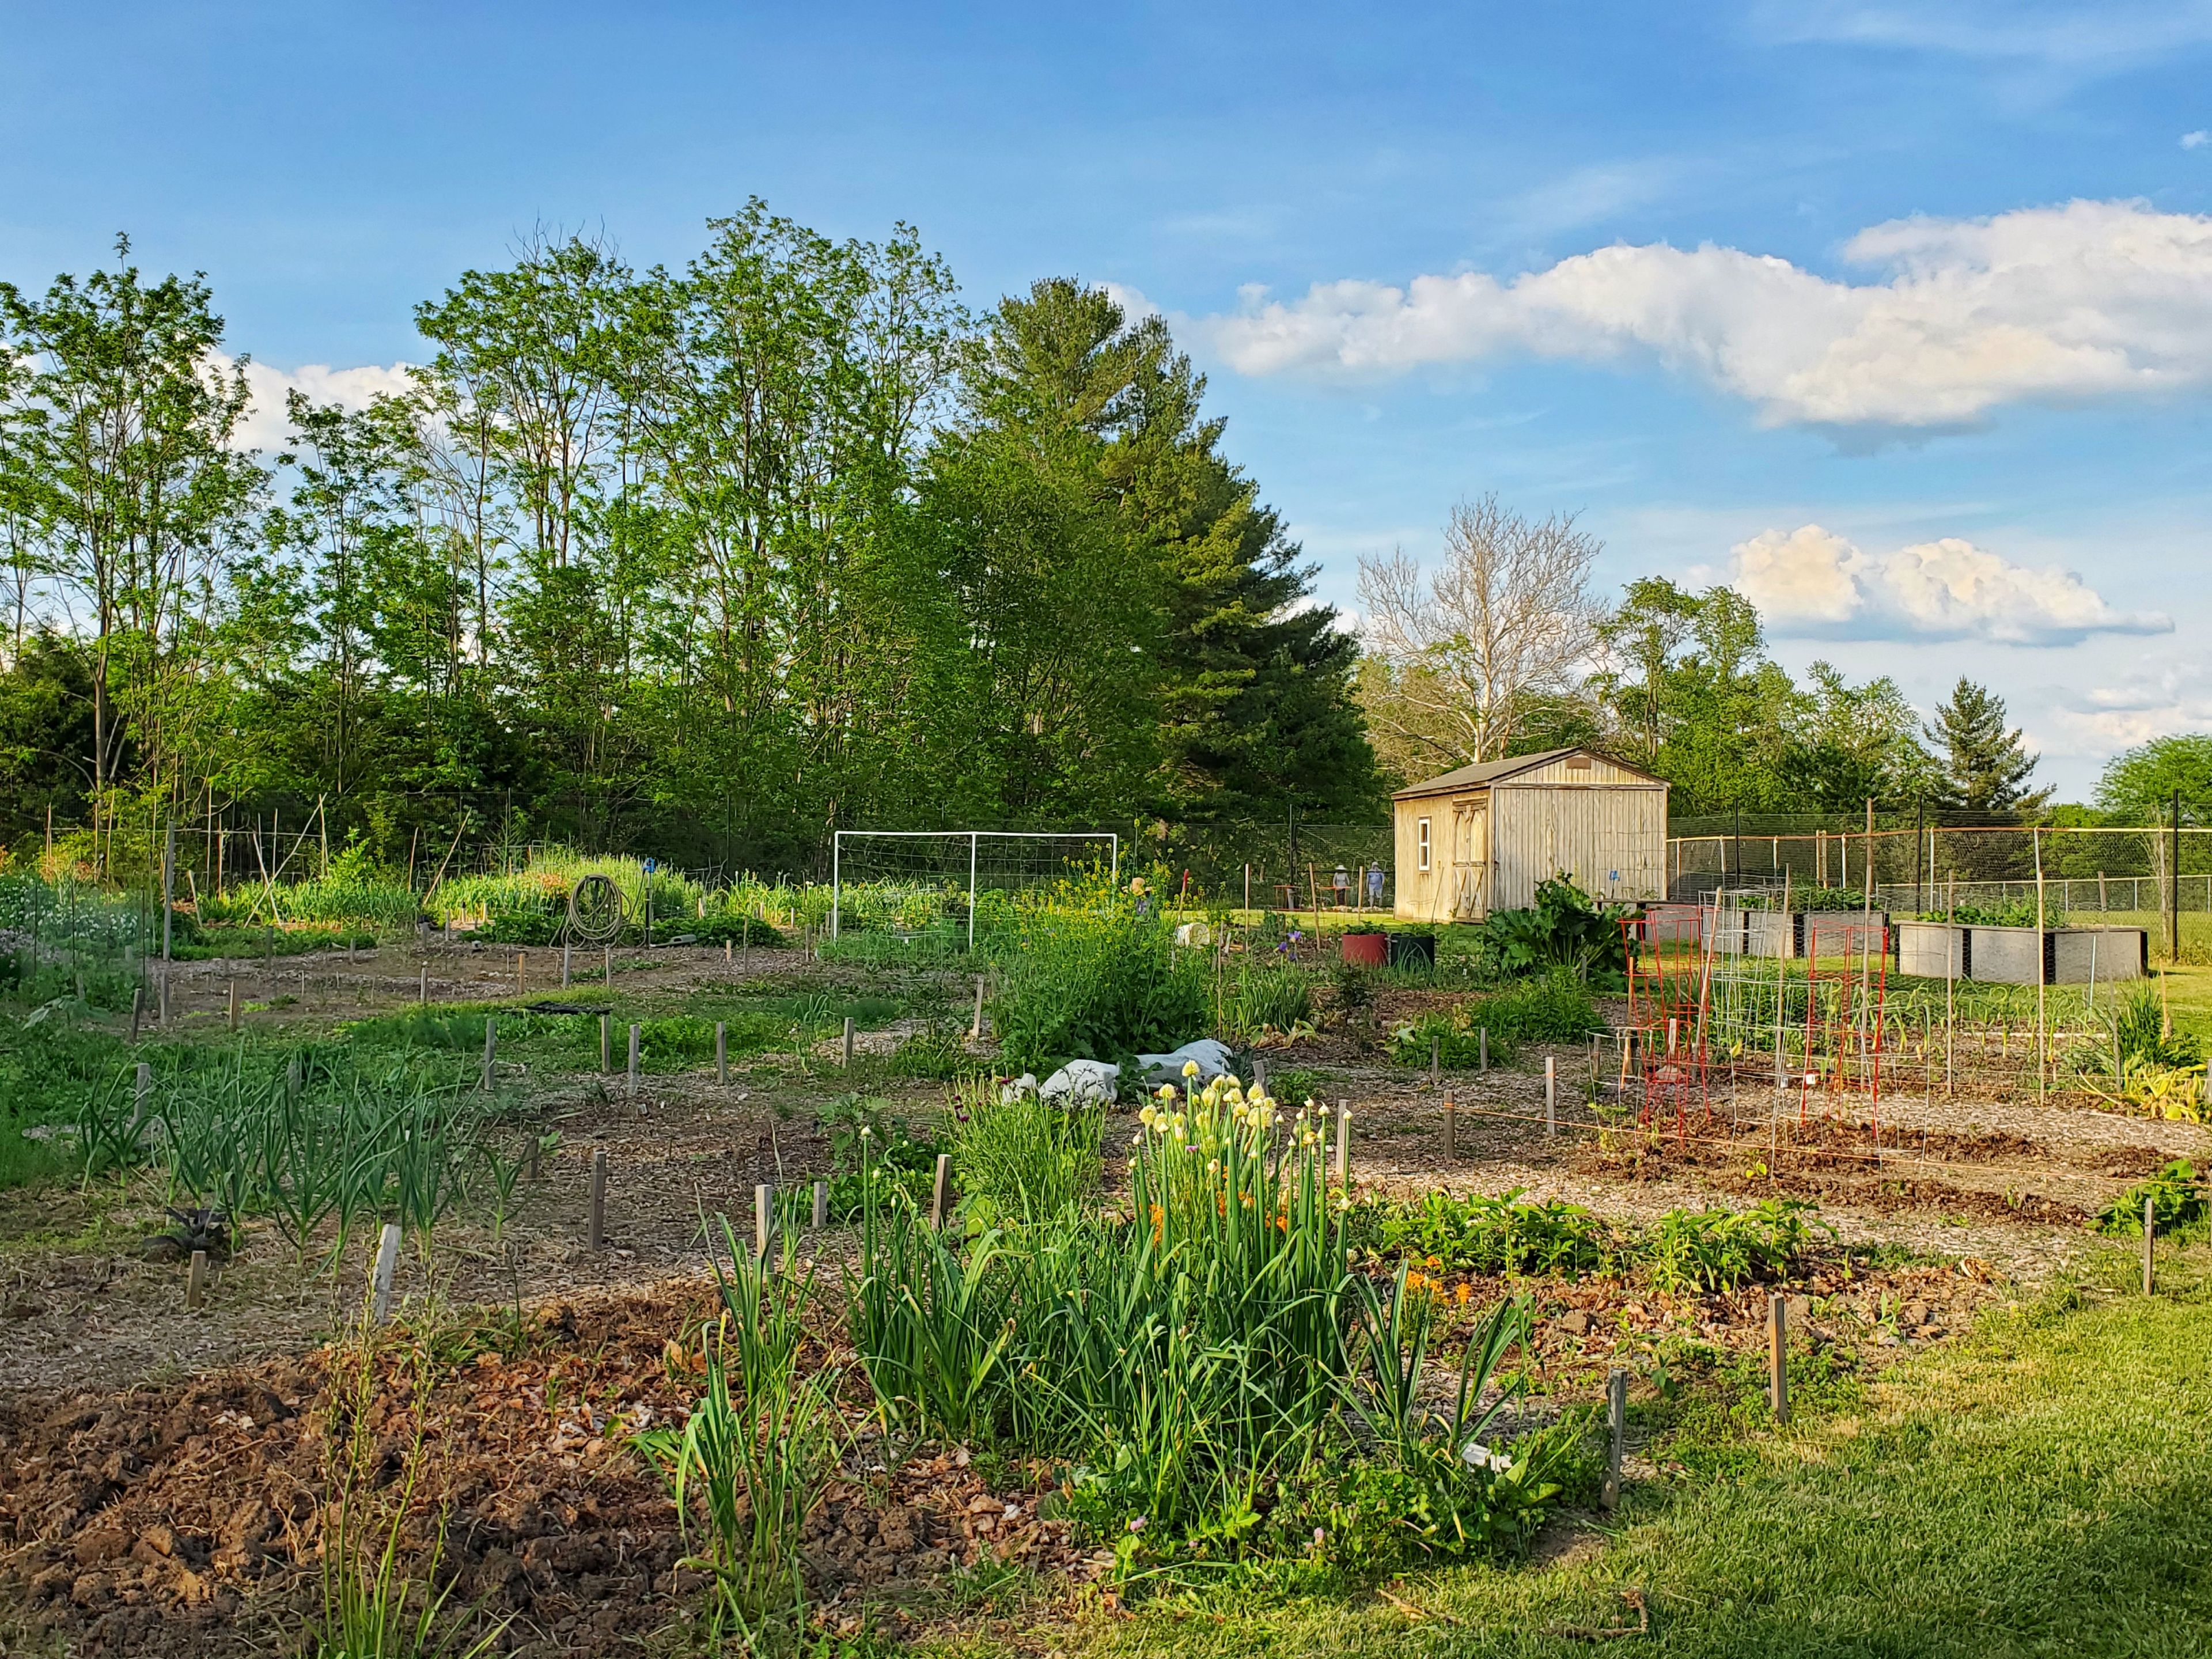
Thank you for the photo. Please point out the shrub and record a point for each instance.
(1566, 928)
(1722, 1249)
(1090, 971)
(1483, 1235)
(2177, 1195)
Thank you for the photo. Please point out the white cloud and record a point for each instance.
(2154, 703)
(2196, 140)
(2091, 299)
(2112, 34)
(265, 427)
(1810, 580)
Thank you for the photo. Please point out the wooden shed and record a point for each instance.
(1481, 838)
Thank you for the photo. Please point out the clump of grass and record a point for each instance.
(752, 1461)
(1017, 1157)
(1556, 1007)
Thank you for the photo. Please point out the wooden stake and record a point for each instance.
(1778, 1357)
(821, 1205)
(598, 1223)
(1344, 1145)
(763, 1219)
(634, 1034)
(1616, 1418)
(1551, 1096)
(1436, 1062)
(941, 1190)
(423, 988)
(722, 1052)
(196, 1283)
(2150, 1216)
(1483, 1041)
(564, 967)
(388, 1263)
(848, 1040)
(606, 1044)
(137, 1009)
(607, 965)
(1451, 1129)
(976, 1025)
(233, 1005)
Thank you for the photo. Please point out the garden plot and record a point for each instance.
(949, 1419)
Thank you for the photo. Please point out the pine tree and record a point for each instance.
(1985, 766)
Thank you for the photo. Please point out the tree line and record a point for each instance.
(716, 559)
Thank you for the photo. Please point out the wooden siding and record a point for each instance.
(1431, 895)
(1610, 836)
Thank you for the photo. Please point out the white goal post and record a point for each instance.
(950, 842)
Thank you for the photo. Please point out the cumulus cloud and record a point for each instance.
(2196, 140)
(2176, 697)
(1810, 580)
(2089, 300)
(265, 427)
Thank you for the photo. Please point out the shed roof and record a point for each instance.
(1489, 772)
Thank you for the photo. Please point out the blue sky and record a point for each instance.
(1977, 444)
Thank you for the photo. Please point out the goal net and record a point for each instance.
(928, 883)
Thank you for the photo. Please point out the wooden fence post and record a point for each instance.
(821, 1205)
(1451, 1127)
(2150, 1216)
(195, 1284)
(1616, 1418)
(599, 1223)
(723, 1051)
(491, 1047)
(1551, 1095)
(941, 1190)
(1343, 1146)
(1778, 1356)
(848, 1059)
(763, 1219)
(387, 1264)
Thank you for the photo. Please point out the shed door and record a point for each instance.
(1470, 859)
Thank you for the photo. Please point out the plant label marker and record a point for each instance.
(195, 1284)
(1551, 1095)
(941, 1190)
(976, 1025)
(1778, 1357)
(491, 1047)
(599, 1223)
(388, 1263)
(606, 1044)
(1344, 1144)
(1451, 1129)
(763, 1219)
(1482, 1044)
(632, 1059)
(233, 1005)
(821, 1205)
(722, 1052)
(2151, 1219)
(1616, 1419)
(848, 1041)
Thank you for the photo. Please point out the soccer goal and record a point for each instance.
(913, 882)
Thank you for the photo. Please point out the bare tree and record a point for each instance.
(1458, 659)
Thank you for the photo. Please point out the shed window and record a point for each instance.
(1421, 840)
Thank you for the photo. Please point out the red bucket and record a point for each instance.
(1366, 949)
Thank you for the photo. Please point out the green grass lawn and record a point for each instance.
(2041, 1486)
